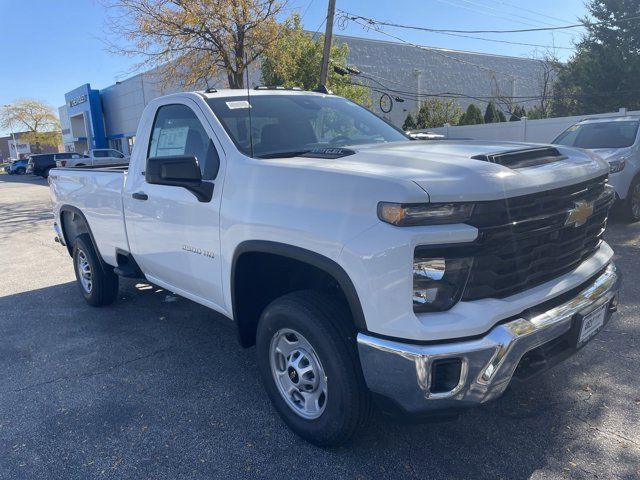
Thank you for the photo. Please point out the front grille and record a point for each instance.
(524, 240)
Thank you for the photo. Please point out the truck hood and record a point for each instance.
(447, 170)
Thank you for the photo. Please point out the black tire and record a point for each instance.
(103, 288)
(45, 174)
(326, 324)
(631, 205)
(21, 171)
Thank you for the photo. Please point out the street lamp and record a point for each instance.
(13, 137)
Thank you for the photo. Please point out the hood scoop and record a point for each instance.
(523, 158)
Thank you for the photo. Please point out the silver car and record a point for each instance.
(617, 141)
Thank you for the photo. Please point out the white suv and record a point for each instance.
(617, 141)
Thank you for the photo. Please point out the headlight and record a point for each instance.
(411, 214)
(616, 166)
(438, 282)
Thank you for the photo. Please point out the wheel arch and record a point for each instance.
(288, 255)
(73, 223)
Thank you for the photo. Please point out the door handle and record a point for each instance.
(140, 196)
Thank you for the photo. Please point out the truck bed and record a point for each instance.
(97, 193)
(121, 167)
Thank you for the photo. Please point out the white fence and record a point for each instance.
(525, 130)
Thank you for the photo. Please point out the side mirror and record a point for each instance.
(179, 171)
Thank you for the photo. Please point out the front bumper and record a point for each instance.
(403, 374)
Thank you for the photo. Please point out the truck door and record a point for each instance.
(173, 236)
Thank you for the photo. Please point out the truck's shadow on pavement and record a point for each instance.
(156, 387)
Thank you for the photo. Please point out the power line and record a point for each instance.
(484, 11)
(372, 21)
(306, 10)
(515, 99)
(519, 7)
(433, 50)
(502, 41)
(414, 95)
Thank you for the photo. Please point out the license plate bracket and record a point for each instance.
(589, 322)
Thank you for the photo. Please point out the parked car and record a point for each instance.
(96, 157)
(425, 276)
(40, 164)
(18, 167)
(617, 140)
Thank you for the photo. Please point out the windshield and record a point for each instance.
(618, 134)
(293, 124)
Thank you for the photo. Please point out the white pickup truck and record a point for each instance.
(366, 268)
(97, 157)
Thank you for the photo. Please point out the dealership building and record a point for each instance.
(399, 76)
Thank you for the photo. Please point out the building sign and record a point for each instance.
(24, 148)
(78, 100)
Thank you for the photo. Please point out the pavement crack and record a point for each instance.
(94, 373)
(607, 432)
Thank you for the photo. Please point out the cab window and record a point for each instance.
(177, 131)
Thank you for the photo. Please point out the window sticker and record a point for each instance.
(238, 104)
(172, 141)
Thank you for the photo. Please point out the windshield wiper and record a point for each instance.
(289, 154)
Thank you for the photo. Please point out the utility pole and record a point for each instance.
(13, 137)
(328, 33)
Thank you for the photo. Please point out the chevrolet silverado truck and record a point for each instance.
(367, 269)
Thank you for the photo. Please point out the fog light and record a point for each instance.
(438, 282)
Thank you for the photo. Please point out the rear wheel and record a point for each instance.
(98, 284)
(309, 366)
(631, 206)
(45, 174)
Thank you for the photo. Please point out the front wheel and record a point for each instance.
(309, 366)
(631, 206)
(98, 284)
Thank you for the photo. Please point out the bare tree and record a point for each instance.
(194, 41)
(544, 79)
(549, 66)
(36, 119)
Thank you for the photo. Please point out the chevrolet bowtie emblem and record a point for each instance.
(579, 214)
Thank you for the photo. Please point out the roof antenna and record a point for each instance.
(246, 63)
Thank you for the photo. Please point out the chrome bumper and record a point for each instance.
(402, 372)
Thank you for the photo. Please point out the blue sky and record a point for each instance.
(51, 47)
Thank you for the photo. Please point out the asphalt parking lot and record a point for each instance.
(156, 387)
